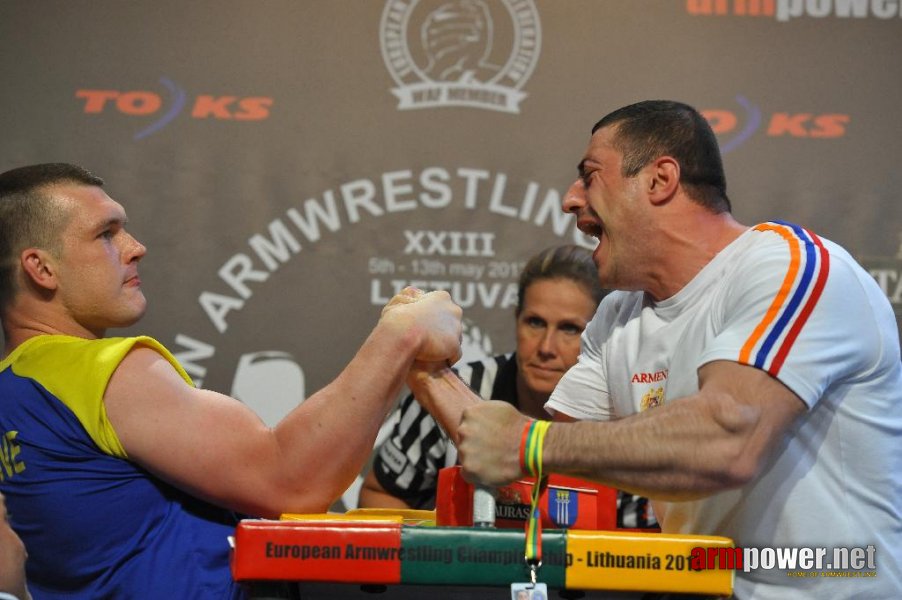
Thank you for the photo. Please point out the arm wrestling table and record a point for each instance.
(416, 554)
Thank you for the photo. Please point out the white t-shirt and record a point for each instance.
(801, 308)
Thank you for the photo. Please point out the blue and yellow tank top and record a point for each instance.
(95, 524)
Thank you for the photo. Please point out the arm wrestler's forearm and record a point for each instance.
(445, 396)
(674, 452)
(716, 439)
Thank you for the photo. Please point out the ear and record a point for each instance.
(39, 267)
(664, 179)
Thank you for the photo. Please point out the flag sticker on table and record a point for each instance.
(563, 507)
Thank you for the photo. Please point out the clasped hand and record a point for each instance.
(433, 318)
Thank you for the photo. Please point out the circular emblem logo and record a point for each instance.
(472, 53)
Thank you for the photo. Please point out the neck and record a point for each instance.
(688, 242)
(22, 322)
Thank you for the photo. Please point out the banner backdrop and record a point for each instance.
(291, 164)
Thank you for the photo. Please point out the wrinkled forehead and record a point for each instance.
(602, 148)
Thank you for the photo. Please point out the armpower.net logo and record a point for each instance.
(797, 562)
(787, 10)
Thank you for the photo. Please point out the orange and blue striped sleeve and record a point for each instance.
(803, 283)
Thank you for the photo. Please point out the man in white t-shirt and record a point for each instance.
(747, 379)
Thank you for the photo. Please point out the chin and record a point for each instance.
(541, 386)
(133, 316)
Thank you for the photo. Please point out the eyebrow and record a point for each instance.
(121, 222)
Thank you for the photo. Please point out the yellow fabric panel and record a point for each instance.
(652, 562)
(77, 372)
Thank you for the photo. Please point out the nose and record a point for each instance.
(575, 198)
(548, 343)
(134, 249)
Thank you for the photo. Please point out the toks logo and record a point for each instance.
(144, 103)
(734, 127)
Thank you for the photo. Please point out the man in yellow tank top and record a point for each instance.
(120, 475)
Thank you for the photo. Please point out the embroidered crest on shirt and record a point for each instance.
(654, 397)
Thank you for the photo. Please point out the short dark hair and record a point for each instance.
(29, 216)
(561, 262)
(647, 130)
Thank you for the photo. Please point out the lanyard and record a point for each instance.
(532, 446)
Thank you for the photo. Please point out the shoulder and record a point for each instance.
(68, 366)
(619, 301)
(66, 353)
(615, 309)
(783, 240)
(802, 263)
(775, 263)
(79, 372)
(144, 366)
(145, 354)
